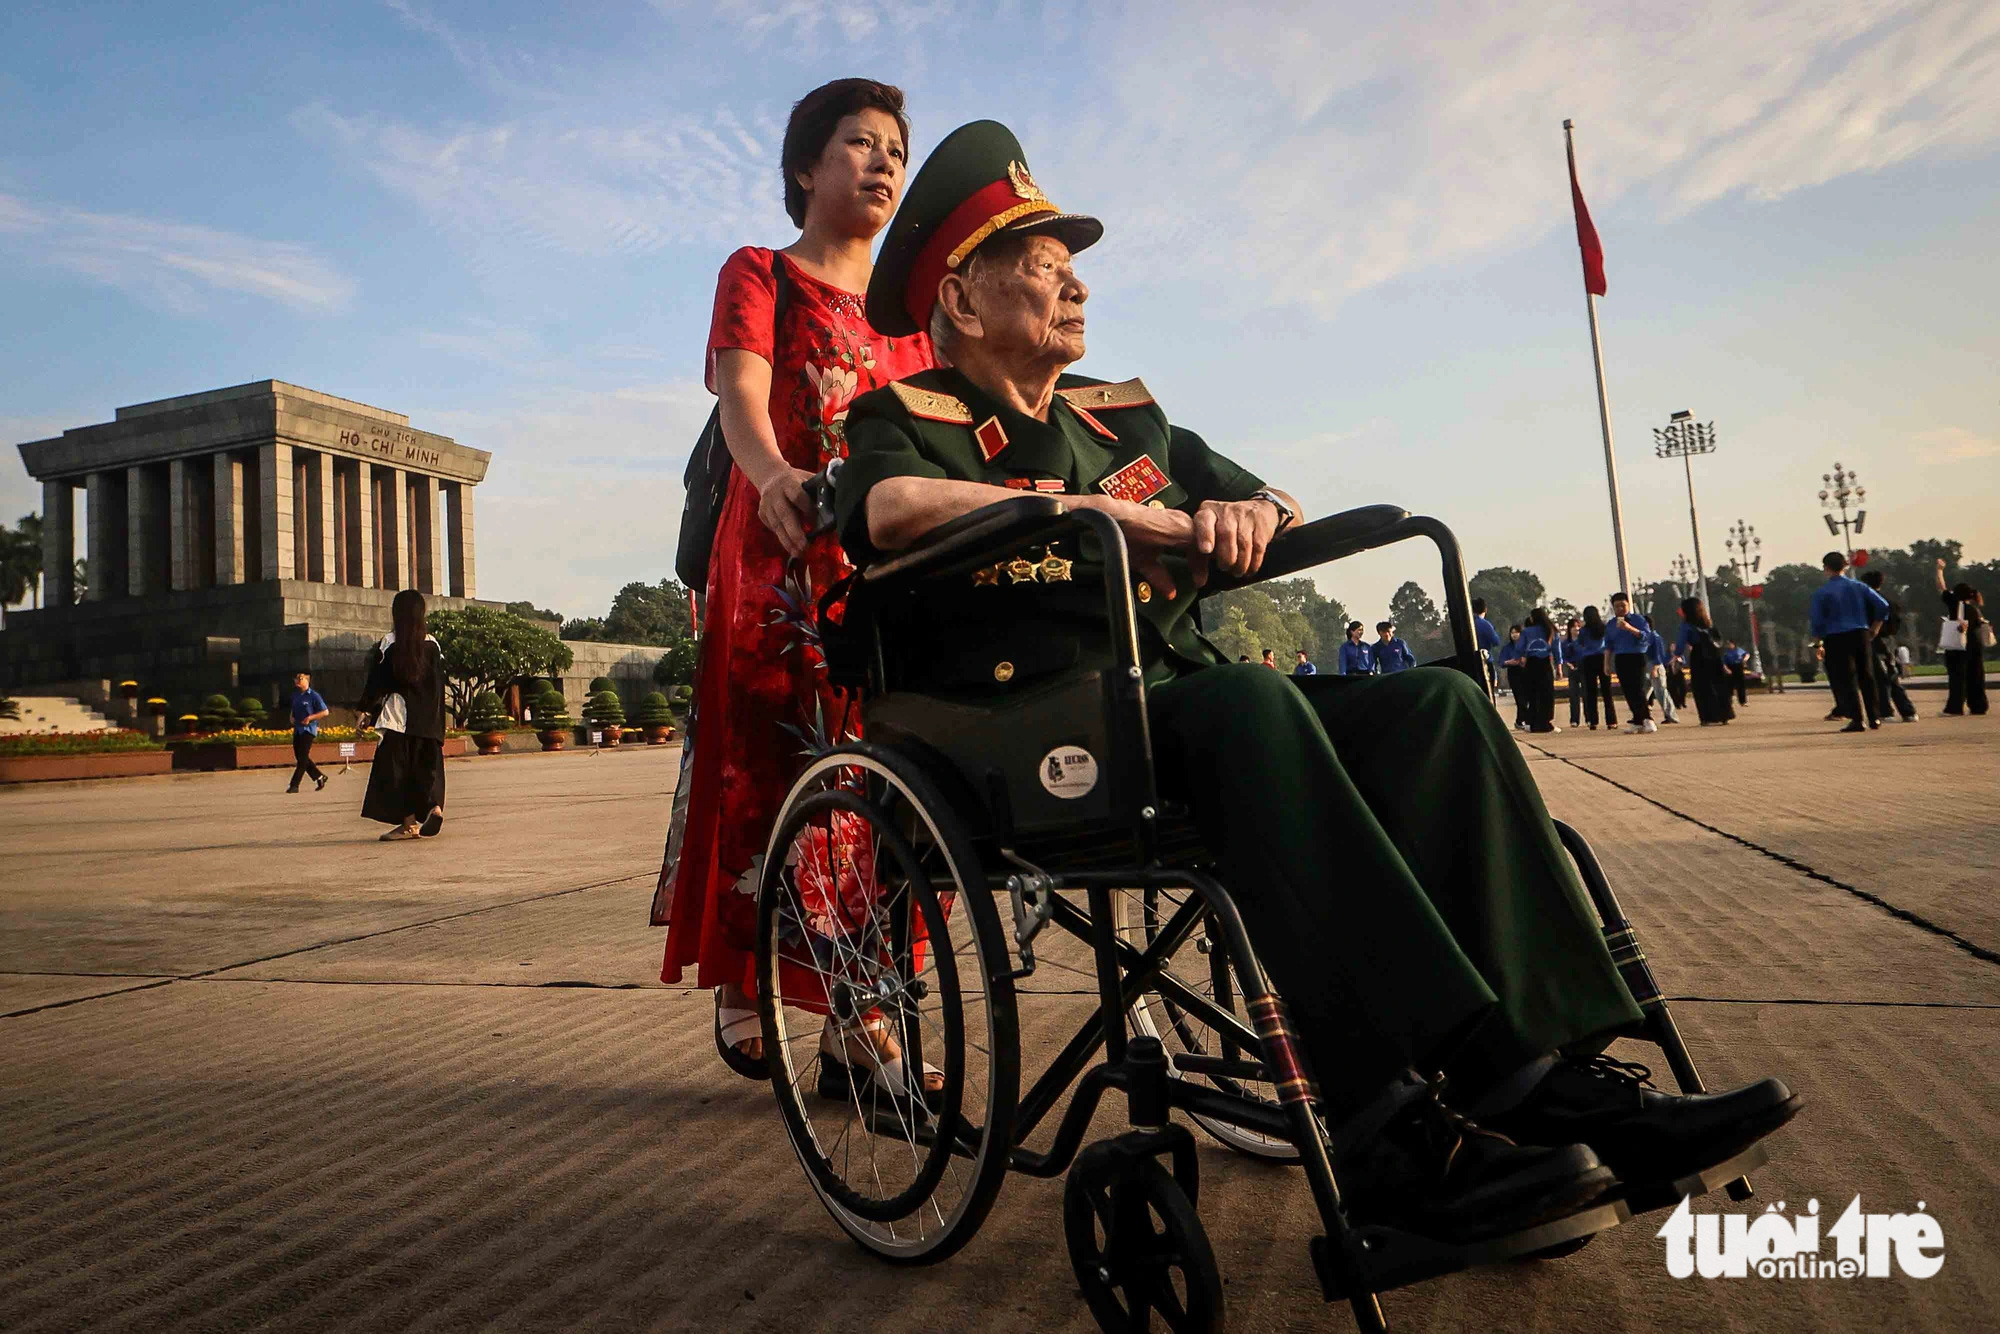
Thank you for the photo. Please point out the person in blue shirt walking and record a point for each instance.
(1591, 666)
(1510, 667)
(1537, 650)
(1626, 640)
(1846, 615)
(1488, 639)
(1392, 655)
(1656, 674)
(307, 709)
(1355, 657)
(1305, 667)
(1735, 658)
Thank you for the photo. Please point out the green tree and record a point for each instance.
(1264, 623)
(20, 563)
(530, 612)
(1562, 611)
(586, 628)
(1325, 616)
(649, 614)
(1786, 610)
(485, 650)
(1510, 594)
(676, 668)
(1418, 622)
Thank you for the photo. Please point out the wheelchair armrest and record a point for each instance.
(976, 539)
(1321, 541)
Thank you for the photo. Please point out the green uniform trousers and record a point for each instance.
(1396, 869)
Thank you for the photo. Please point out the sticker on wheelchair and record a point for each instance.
(1069, 772)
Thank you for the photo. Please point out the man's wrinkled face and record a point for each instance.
(1030, 304)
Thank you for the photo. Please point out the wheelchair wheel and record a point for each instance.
(1138, 1247)
(873, 912)
(1205, 966)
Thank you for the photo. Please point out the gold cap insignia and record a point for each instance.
(1024, 184)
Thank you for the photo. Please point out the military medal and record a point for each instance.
(1020, 570)
(986, 578)
(1055, 570)
(1138, 481)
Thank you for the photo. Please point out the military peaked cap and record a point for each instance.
(974, 183)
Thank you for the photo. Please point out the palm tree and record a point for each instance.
(19, 570)
(31, 532)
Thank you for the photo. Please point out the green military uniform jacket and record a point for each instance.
(1042, 612)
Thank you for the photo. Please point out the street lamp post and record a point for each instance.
(1746, 557)
(1680, 573)
(1682, 438)
(1841, 486)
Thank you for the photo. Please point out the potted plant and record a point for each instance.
(487, 722)
(605, 714)
(600, 684)
(188, 724)
(654, 715)
(552, 719)
(251, 712)
(216, 714)
(129, 689)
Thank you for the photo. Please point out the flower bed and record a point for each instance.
(259, 751)
(74, 743)
(49, 756)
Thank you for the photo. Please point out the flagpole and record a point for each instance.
(1603, 403)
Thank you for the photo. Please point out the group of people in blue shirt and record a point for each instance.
(1383, 656)
(1591, 652)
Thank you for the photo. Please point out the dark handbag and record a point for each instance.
(709, 468)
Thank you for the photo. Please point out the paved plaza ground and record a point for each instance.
(259, 1070)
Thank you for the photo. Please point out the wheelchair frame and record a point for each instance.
(1353, 1261)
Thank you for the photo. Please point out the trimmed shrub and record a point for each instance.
(486, 715)
(605, 710)
(653, 711)
(217, 715)
(552, 711)
(251, 711)
(600, 684)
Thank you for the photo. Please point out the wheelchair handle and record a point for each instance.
(819, 490)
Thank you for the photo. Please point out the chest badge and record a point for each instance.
(1138, 481)
(992, 438)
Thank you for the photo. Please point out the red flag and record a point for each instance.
(1586, 237)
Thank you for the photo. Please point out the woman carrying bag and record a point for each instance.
(789, 348)
(405, 696)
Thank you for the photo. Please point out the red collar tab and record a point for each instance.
(992, 438)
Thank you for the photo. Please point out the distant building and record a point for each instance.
(238, 535)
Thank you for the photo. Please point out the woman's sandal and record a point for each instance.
(399, 833)
(890, 1078)
(738, 1026)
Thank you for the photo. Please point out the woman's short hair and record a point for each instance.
(814, 119)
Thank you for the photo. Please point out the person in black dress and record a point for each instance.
(405, 697)
(1710, 684)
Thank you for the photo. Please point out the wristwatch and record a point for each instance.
(1287, 516)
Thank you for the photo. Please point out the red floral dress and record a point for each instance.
(762, 706)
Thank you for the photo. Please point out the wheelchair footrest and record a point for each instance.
(1381, 1258)
(1645, 1199)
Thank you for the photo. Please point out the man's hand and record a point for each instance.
(1232, 534)
(1149, 535)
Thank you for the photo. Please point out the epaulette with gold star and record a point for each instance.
(931, 405)
(1104, 397)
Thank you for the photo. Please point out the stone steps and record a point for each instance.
(53, 713)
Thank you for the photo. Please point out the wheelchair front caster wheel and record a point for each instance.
(1138, 1247)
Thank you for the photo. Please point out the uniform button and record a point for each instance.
(1003, 671)
(1145, 591)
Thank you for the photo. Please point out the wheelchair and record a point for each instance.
(881, 898)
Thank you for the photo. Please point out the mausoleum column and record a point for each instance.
(361, 526)
(458, 533)
(389, 543)
(183, 525)
(141, 517)
(228, 519)
(58, 544)
(425, 548)
(319, 518)
(104, 493)
(275, 506)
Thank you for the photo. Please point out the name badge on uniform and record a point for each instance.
(1138, 481)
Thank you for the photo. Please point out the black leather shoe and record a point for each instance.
(1422, 1167)
(1644, 1135)
(1854, 727)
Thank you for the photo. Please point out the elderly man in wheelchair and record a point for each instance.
(1405, 987)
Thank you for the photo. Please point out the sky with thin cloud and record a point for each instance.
(1338, 243)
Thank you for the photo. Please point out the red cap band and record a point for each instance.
(988, 209)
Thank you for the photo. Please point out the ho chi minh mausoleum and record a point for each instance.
(237, 536)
